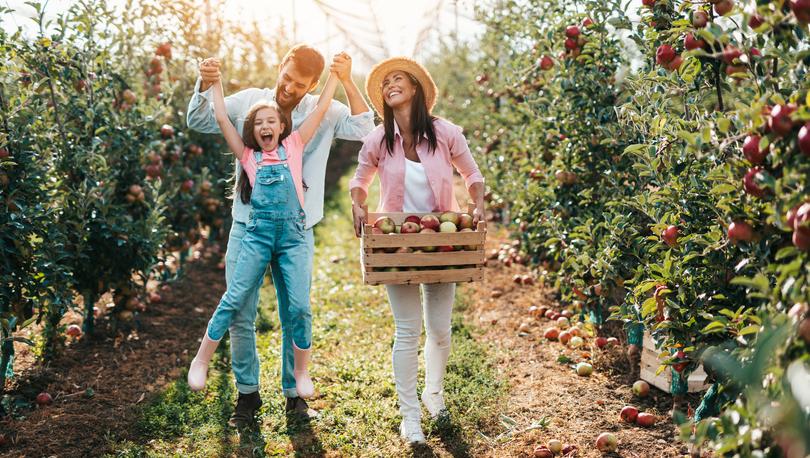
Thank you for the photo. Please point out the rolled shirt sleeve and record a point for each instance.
(462, 158)
(354, 127)
(367, 162)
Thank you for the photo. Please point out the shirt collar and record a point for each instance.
(397, 134)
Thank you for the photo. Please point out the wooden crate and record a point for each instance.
(425, 267)
(650, 363)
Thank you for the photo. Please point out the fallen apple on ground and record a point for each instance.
(552, 333)
(44, 399)
(645, 419)
(628, 414)
(601, 342)
(555, 446)
(641, 388)
(584, 369)
(606, 442)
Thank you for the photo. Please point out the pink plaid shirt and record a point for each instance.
(451, 152)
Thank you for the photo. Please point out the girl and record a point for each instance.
(271, 158)
(414, 154)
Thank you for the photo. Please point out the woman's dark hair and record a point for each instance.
(245, 189)
(421, 120)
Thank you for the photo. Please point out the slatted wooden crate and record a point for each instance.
(663, 381)
(382, 267)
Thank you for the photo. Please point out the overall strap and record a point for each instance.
(282, 153)
(257, 155)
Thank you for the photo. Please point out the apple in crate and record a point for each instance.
(446, 248)
(447, 226)
(412, 219)
(465, 221)
(385, 224)
(430, 222)
(449, 217)
(427, 230)
(467, 247)
(409, 227)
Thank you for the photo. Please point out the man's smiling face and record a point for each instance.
(292, 86)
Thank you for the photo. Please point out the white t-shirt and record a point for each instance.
(418, 195)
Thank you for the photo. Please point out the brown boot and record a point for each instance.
(245, 412)
(299, 407)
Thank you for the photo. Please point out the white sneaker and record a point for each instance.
(411, 430)
(434, 403)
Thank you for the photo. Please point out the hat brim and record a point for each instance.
(383, 68)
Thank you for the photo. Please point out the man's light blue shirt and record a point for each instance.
(337, 123)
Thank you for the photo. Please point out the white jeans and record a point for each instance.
(408, 306)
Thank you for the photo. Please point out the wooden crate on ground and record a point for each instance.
(662, 381)
(381, 264)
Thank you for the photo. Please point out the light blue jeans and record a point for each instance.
(244, 355)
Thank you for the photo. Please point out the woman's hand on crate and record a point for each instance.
(360, 216)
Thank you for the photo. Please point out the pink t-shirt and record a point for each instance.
(295, 156)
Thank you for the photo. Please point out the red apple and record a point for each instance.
(385, 224)
(412, 219)
(563, 322)
(801, 9)
(44, 399)
(641, 388)
(409, 227)
(546, 63)
(449, 217)
(465, 221)
(165, 50)
(675, 63)
(549, 313)
(690, 42)
(601, 342)
(802, 216)
(628, 414)
(447, 226)
(430, 222)
(552, 333)
(571, 44)
(606, 442)
(723, 7)
(779, 120)
(565, 337)
(670, 236)
(740, 231)
(541, 451)
(613, 341)
(804, 139)
(166, 131)
(154, 298)
(187, 185)
(679, 366)
(730, 53)
(664, 54)
(427, 230)
(648, 3)
(129, 96)
(751, 150)
(756, 21)
(750, 182)
(572, 31)
(645, 419)
(74, 330)
(699, 19)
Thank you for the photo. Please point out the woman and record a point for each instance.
(414, 154)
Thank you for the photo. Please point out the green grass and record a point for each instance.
(352, 338)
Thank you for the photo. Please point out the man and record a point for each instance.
(299, 72)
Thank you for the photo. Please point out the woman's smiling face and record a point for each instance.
(267, 128)
(398, 89)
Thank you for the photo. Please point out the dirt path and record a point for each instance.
(576, 409)
(123, 370)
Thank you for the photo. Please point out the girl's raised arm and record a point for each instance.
(230, 132)
(310, 125)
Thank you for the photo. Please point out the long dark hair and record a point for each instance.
(245, 189)
(421, 120)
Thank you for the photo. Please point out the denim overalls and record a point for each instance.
(275, 231)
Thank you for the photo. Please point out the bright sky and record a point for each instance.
(368, 29)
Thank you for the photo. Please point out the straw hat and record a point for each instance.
(383, 68)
